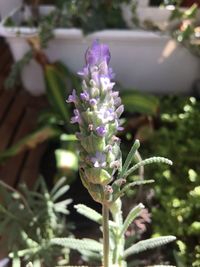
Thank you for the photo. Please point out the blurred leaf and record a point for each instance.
(30, 141)
(61, 191)
(147, 162)
(134, 213)
(129, 158)
(148, 244)
(78, 244)
(16, 260)
(89, 213)
(142, 103)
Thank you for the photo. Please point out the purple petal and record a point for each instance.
(120, 110)
(84, 96)
(84, 72)
(97, 54)
(99, 160)
(76, 118)
(120, 128)
(111, 74)
(72, 98)
(101, 130)
(109, 115)
(95, 76)
(93, 102)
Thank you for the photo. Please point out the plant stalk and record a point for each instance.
(116, 210)
(105, 214)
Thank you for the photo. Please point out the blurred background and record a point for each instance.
(155, 53)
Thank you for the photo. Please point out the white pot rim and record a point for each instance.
(76, 33)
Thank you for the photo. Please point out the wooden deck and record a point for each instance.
(18, 117)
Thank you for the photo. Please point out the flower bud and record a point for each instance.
(97, 111)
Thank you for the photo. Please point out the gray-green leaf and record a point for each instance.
(148, 244)
(134, 213)
(78, 244)
(146, 162)
(89, 213)
(129, 158)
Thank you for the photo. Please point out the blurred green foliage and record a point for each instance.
(88, 15)
(177, 192)
(185, 29)
(29, 219)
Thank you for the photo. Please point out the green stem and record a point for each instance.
(105, 214)
(116, 210)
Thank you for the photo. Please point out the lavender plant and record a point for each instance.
(97, 111)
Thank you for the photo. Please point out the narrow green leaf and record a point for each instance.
(22, 253)
(66, 73)
(89, 256)
(128, 186)
(129, 158)
(146, 162)
(134, 213)
(62, 210)
(29, 241)
(68, 137)
(63, 203)
(16, 260)
(148, 244)
(60, 183)
(78, 244)
(138, 102)
(56, 91)
(89, 213)
(60, 192)
(92, 214)
(30, 141)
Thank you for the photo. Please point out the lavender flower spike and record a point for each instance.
(97, 110)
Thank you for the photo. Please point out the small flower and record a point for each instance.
(120, 110)
(97, 111)
(99, 160)
(84, 96)
(72, 98)
(93, 102)
(97, 54)
(106, 84)
(84, 72)
(76, 118)
(101, 130)
(109, 115)
(120, 128)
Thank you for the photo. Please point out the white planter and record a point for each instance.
(142, 60)
(4, 262)
(158, 15)
(6, 6)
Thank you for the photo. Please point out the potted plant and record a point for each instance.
(146, 53)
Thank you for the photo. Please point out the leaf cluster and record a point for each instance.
(32, 218)
(92, 250)
(120, 250)
(186, 27)
(176, 208)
